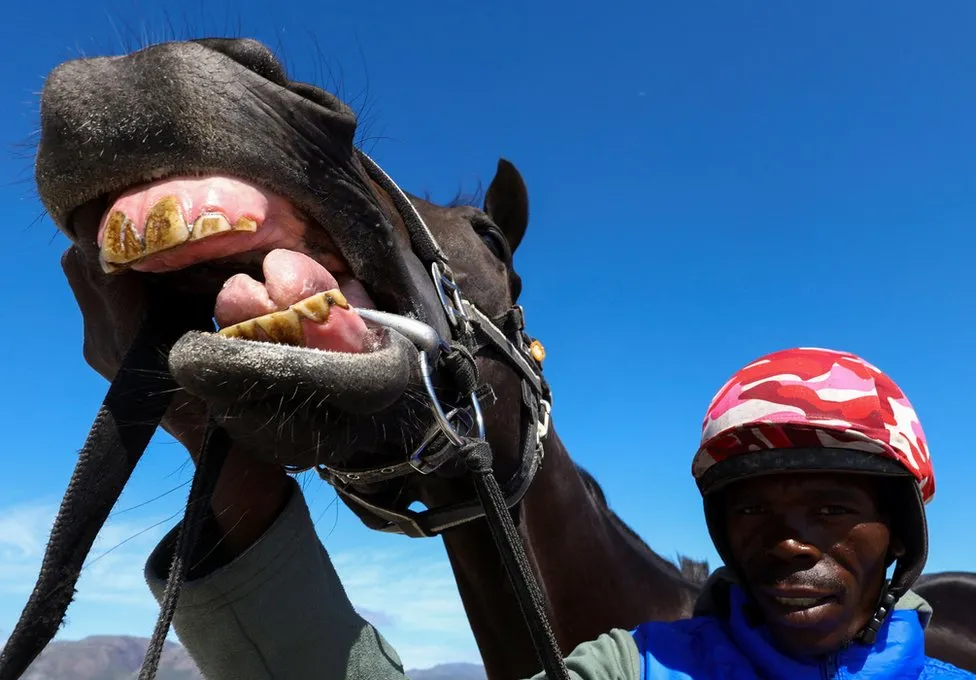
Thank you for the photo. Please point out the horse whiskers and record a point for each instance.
(151, 500)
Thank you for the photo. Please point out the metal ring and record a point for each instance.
(479, 418)
(442, 420)
(420, 464)
(435, 404)
(452, 304)
(438, 278)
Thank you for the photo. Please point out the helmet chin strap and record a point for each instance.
(886, 603)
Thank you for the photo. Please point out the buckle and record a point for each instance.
(449, 294)
(424, 465)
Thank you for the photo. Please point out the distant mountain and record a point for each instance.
(118, 657)
(449, 671)
(108, 657)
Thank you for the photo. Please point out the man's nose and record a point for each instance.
(792, 548)
(791, 541)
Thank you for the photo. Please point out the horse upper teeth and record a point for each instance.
(285, 327)
(245, 224)
(205, 225)
(121, 242)
(165, 228)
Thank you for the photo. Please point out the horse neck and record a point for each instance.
(594, 572)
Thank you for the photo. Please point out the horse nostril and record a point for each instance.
(250, 54)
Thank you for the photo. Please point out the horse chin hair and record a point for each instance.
(296, 403)
(227, 370)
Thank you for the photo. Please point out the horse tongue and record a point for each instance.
(291, 277)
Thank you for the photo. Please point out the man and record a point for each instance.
(814, 473)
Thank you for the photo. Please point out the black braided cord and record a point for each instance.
(216, 445)
(132, 409)
(477, 456)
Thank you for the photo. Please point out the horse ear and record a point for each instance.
(507, 202)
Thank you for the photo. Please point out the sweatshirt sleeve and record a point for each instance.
(276, 611)
(279, 611)
(612, 656)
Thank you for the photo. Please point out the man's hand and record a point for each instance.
(250, 494)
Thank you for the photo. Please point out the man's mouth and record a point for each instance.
(295, 299)
(802, 602)
(797, 600)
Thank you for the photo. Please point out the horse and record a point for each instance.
(129, 145)
(951, 635)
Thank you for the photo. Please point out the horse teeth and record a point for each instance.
(316, 308)
(165, 226)
(208, 225)
(245, 224)
(285, 327)
(121, 242)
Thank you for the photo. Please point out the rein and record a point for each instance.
(143, 389)
(133, 407)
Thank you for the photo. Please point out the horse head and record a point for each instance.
(362, 331)
(177, 169)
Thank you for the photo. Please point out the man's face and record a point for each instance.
(812, 549)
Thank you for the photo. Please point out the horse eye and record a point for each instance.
(496, 243)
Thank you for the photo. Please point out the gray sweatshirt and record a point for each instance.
(279, 611)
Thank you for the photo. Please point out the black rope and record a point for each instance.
(477, 456)
(213, 453)
(132, 409)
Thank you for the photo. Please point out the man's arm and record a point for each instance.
(278, 610)
(612, 656)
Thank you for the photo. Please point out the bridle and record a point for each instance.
(473, 331)
(123, 427)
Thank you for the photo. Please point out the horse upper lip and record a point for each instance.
(305, 153)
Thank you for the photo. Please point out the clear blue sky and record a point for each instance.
(709, 181)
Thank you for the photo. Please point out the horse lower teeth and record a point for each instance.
(285, 327)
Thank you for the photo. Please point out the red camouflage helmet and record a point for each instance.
(809, 409)
(814, 398)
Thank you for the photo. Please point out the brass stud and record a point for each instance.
(537, 351)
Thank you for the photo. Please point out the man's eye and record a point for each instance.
(751, 510)
(833, 510)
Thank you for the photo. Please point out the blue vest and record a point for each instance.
(709, 647)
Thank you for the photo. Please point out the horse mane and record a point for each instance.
(695, 571)
(473, 199)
